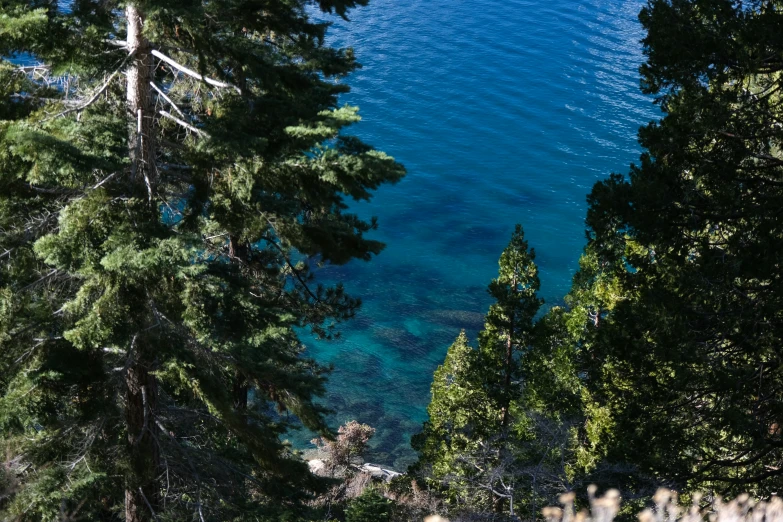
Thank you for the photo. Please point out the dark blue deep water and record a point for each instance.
(503, 112)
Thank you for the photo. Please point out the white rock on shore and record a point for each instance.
(379, 472)
(316, 466)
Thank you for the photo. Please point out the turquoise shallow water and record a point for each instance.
(503, 113)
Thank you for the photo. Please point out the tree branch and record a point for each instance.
(184, 124)
(194, 74)
(163, 95)
(154, 515)
(100, 90)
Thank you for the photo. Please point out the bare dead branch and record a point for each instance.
(184, 124)
(100, 90)
(194, 74)
(163, 95)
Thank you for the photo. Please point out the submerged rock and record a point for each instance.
(458, 318)
(396, 337)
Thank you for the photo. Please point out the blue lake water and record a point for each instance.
(503, 113)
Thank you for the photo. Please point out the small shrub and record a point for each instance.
(369, 507)
(351, 442)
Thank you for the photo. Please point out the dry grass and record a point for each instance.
(668, 509)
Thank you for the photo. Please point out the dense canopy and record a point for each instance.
(171, 177)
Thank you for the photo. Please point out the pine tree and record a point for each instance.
(548, 417)
(508, 330)
(459, 411)
(469, 436)
(686, 367)
(169, 180)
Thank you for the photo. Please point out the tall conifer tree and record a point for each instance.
(162, 206)
(508, 331)
(686, 367)
(468, 438)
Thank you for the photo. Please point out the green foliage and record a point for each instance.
(149, 309)
(679, 284)
(508, 331)
(370, 506)
(483, 428)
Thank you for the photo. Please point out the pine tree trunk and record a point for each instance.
(141, 140)
(509, 360)
(240, 390)
(141, 491)
(507, 379)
